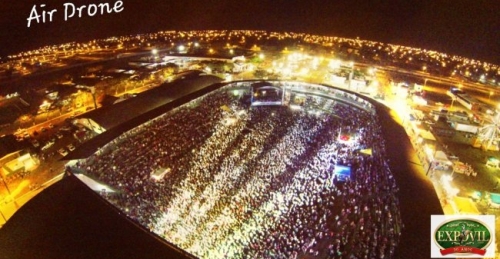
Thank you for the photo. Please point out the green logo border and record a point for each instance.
(464, 218)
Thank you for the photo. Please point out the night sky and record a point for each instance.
(462, 27)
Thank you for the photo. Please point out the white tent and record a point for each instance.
(441, 161)
(441, 157)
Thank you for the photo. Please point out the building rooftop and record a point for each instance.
(142, 108)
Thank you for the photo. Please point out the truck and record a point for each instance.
(464, 127)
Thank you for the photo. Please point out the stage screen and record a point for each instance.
(342, 173)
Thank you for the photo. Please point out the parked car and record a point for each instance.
(35, 143)
(48, 145)
(62, 151)
(71, 147)
(66, 128)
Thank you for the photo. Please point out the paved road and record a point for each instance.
(9, 206)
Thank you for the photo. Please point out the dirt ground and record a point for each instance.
(417, 198)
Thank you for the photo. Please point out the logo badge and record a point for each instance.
(463, 236)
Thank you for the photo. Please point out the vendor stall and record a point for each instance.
(493, 162)
(494, 200)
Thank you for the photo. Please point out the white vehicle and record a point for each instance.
(48, 145)
(160, 173)
(465, 127)
(66, 128)
(71, 147)
(62, 151)
(35, 143)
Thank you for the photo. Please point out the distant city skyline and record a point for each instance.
(464, 28)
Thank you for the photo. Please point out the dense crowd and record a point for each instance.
(257, 182)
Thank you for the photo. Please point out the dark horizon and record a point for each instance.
(464, 28)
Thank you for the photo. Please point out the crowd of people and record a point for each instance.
(257, 182)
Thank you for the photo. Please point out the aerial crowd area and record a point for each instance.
(242, 181)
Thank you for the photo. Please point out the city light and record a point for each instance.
(334, 64)
(293, 63)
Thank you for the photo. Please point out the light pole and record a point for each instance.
(3, 216)
(431, 163)
(5, 184)
(351, 74)
(91, 90)
(10, 194)
(430, 166)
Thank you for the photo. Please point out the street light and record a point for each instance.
(7, 188)
(24, 118)
(452, 101)
(351, 74)
(3, 216)
(47, 111)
